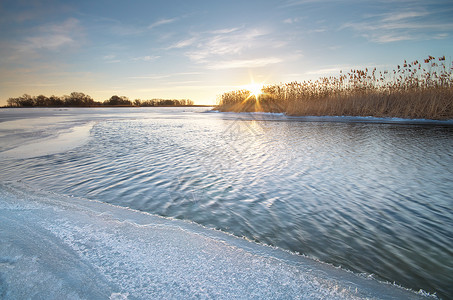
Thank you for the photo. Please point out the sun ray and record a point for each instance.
(255, 89)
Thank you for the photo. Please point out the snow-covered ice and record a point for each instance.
(59, 247)
(64, 140)
(267, 116)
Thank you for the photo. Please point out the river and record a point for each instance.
(374, 196)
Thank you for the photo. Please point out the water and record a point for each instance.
(374, 198)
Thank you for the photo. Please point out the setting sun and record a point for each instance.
(255, 89)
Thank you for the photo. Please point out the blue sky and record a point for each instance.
(200, 49)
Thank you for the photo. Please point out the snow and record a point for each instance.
(343, 119)
(369, 119)
(60, 247)
(61, 141)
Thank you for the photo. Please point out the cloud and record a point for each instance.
(245, 63)
(147, 58)
(319, 30)
(292, 3)
(162, 76)
(441, 36)
(233, 48)
(50, 42)
(397, 16)
(161, 22)
(400, 26)
(291, 20)
(325, 71)
(225, 30)
(150, 77)
(212, 45)
(111, 59)
(335, 69)
(53, 37)
(389, 38)
(183, 43)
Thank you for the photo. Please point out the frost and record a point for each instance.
(72, 248)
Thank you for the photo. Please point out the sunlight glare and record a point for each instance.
(255, 89)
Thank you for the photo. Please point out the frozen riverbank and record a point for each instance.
(267, 116)
(57, 247)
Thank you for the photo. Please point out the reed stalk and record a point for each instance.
(412, 90)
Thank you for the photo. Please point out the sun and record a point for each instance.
(256, 89)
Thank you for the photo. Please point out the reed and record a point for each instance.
(417, 89)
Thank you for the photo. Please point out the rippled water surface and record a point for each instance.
(374, 198)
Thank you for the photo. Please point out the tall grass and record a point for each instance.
(417, 89)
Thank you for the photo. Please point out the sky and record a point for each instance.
(197, 50)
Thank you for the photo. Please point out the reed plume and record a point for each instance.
(414, 89)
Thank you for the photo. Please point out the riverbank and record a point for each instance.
(105, 106)
(415, 90)
(271, 116)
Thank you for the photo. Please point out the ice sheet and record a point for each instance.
(266, 116)
(61, 141)
(58, 247)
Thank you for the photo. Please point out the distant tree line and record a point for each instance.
(77, 99)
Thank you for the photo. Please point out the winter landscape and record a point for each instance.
(226, 150)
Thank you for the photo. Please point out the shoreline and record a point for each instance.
(107, 106)
(340, 119)
(108, 244)
(270, 116)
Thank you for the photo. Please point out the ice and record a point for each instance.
(36, 133)
(369, 119)
(61, 141)
(60, 247)
(268, 116)
(27, 133)
(33, 132)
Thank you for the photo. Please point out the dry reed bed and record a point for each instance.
(413, 90)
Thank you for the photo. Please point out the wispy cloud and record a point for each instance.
(292, 3)
(146, 58)
(232, 48)
(244, 63)
(111, 59)
(291, 20)
(325, 71)
(335, 69)
(161, 22)
(318, 30)
(400, 26)
(152, 77)
(397, 16)
(53, 37)
(162, 76)
(225, 30)
(183, 43)
(227, 43)
(51, 42)
(441, 36)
